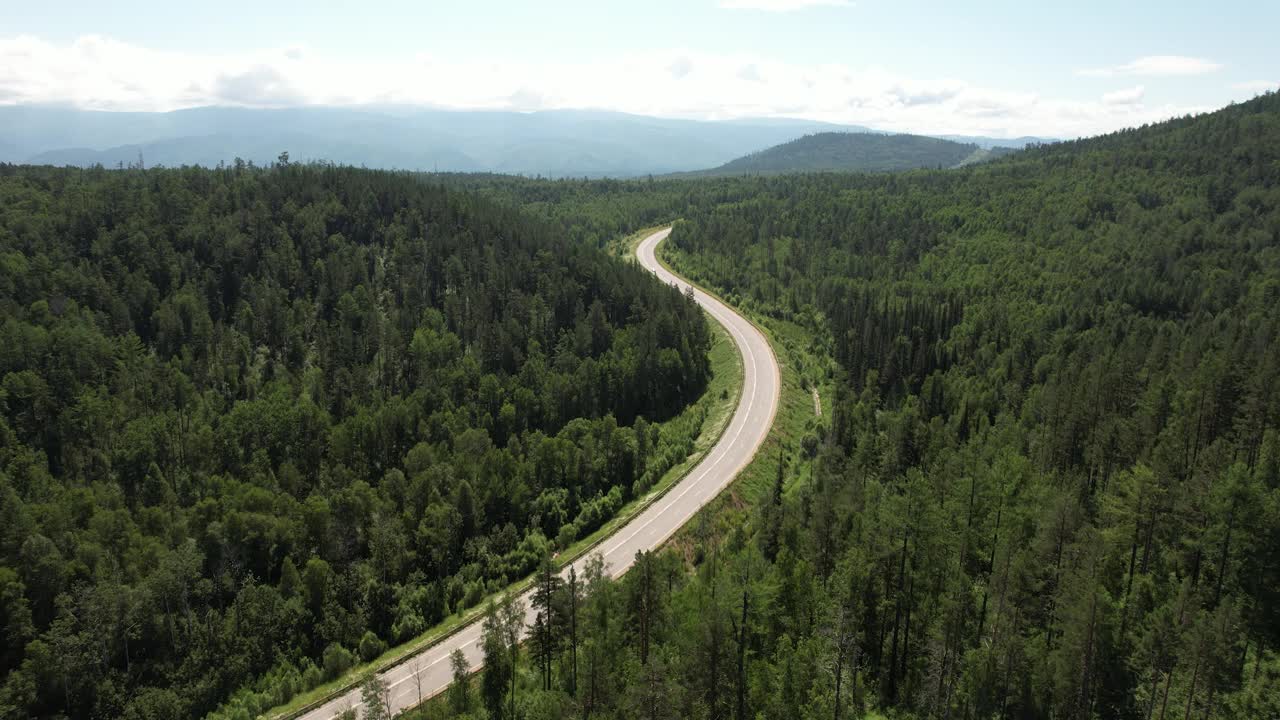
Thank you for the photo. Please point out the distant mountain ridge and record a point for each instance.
(553, 143)
(855, 152)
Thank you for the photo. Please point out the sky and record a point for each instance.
(1003, 69)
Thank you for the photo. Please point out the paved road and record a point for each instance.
(430, 673)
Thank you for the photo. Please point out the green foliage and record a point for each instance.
(375, 698)
(1047, 487)
(371, 646)
(1044, 480)
(460, 690)
(1046, 484)
(500, 642)
(254, 418)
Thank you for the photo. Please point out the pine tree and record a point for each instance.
(460, 690)
(547, 623)
(375, 696)
(498, 671)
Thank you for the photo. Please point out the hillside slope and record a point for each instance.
(270, 420)
(853, 152)
(1047, 483)
(1051, 483)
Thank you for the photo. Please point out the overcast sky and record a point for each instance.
(998, 68)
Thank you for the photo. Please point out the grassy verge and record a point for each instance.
(803, 366)
(624, 246)
(717, 402)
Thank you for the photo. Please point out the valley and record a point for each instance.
(752, 419)
(467, 397)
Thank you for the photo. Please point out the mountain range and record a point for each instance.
(551, 143)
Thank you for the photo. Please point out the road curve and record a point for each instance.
(429, 672)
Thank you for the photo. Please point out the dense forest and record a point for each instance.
(268, 420)
(1049, 486)
(264, 421)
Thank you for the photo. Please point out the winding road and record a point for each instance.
(429, 672)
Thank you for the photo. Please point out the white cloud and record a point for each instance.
(259, 86)
(750, 73)
(927, 95)
(781, 5)
(680, 67)
(1157, 66)
(1256, 87)
(1128, 96)
(101, 73)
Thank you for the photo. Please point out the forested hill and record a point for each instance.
(271, 419)
(1050, 484)
(853, 152)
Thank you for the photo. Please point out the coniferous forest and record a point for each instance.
(271, 420)
(1049, 486)
(267, 420)
(1051, 483)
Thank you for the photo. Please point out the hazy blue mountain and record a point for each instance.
(209, 150)
(547, 143)
(854, 152)
(552, 143)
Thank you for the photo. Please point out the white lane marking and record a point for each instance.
(430, 665)
(740, 418)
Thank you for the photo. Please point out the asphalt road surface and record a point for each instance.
(430, 673)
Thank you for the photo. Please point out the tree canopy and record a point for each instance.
(1049, 480)
(258, 422)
